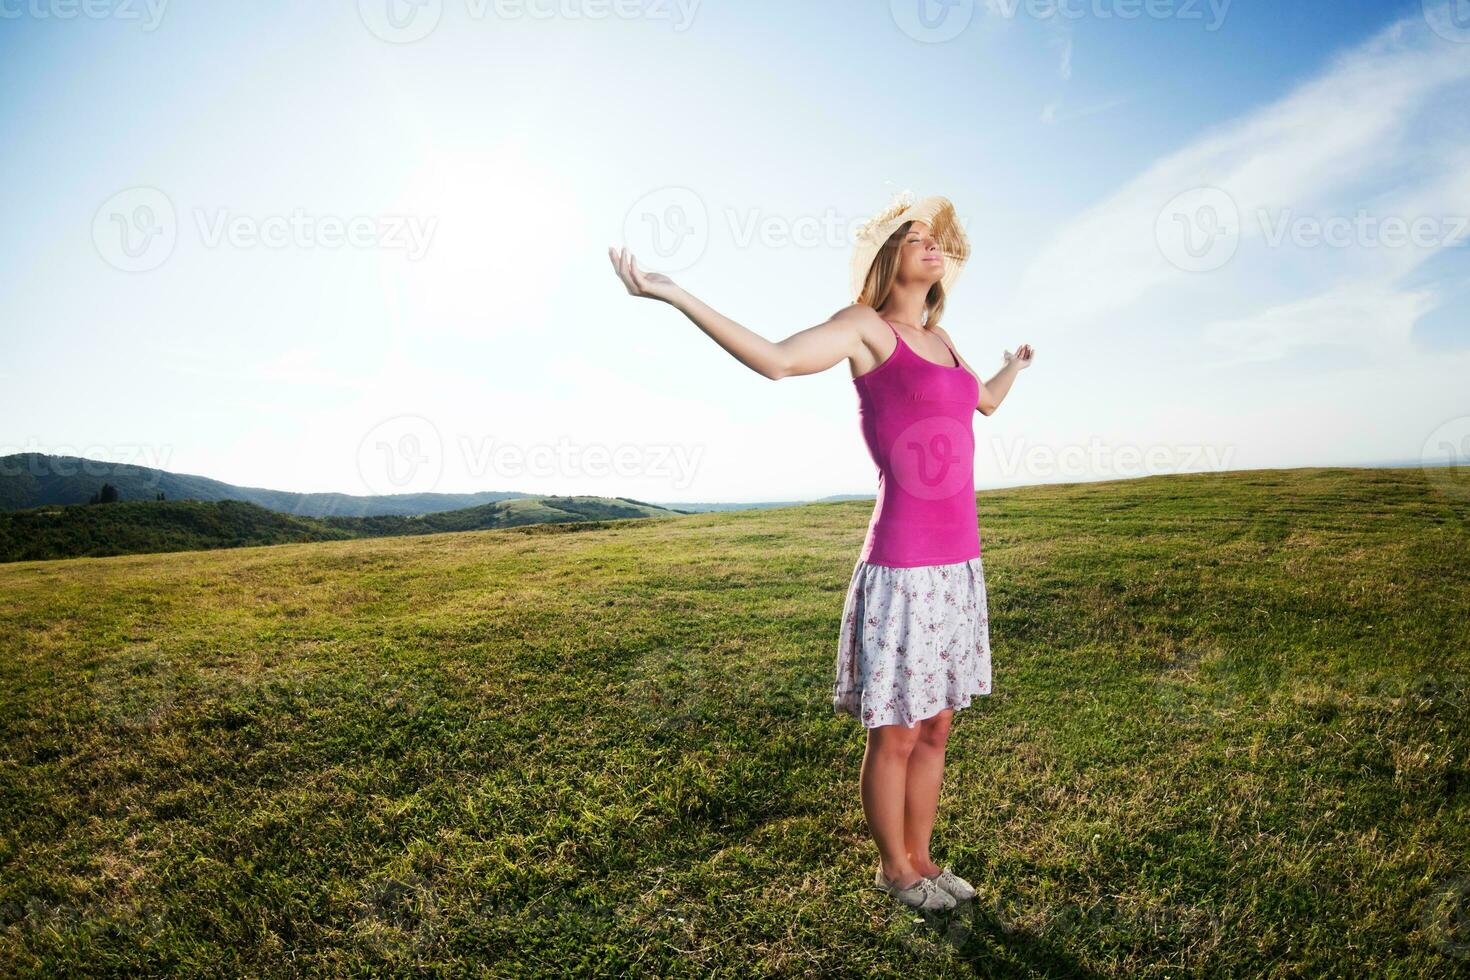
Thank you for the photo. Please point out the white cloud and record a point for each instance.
(1377, 129)
(1050, 113)
(1371, 315)
(1066, 66)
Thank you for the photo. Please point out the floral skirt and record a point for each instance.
(914, 641)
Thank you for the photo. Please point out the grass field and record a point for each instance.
(1227, 737)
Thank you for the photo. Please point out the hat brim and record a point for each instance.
(935, 211)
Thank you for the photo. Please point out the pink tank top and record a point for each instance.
(917, 419)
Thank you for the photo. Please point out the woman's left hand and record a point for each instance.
(1021, 358)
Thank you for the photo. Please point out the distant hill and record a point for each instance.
(145, 526)
(34, 479)
(701, 507)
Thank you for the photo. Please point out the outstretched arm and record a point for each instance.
(805, 352)
(808, 351)
(994, 391)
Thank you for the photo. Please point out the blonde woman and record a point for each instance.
(914, 644)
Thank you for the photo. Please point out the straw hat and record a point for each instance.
(935, 211)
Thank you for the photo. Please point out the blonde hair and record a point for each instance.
(883, 273)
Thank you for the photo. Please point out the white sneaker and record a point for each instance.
(952, 883)
(922, 894)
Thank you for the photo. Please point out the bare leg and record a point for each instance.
(921, 796)
(882, 784)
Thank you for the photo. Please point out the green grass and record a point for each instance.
(1228, 737)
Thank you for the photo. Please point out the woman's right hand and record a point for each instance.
(653, 285)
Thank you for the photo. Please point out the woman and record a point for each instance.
(914, 645)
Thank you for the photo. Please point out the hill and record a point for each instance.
(1228, 737)
(30, 480)
(142, 526)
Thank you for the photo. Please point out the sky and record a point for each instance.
(361, 245)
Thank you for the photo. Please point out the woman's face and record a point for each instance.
(920, 258)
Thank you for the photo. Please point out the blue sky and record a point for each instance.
(322, 249)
